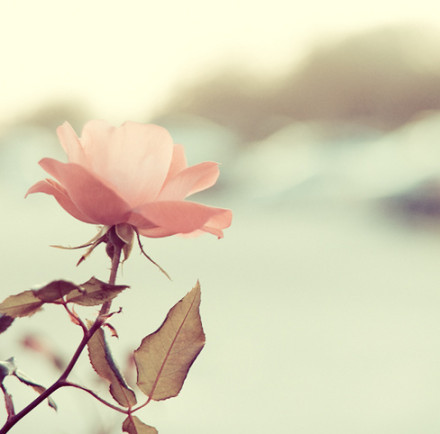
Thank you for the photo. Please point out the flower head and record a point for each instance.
(132, 174)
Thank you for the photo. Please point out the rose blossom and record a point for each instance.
(133, 174)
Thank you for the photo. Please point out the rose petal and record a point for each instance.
(218, 222)
(178, 162)
(214, 225)
(133, 174)
(156, 232)
(176, 217)
(89, 195)
(49, 186)
(189, 181)
(71, 144)
(134, 158)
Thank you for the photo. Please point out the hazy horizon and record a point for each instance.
(127, 62)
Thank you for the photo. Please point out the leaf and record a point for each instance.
(163, 359)
(7, 367)
(104, 365)
(94, 292)
(9, 404)
(26, 303)
(37, 387)
(54, 291)
(132, 425)
(19, 305)
(5, 322)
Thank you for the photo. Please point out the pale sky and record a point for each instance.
(123, 59)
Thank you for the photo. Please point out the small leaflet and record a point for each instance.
(19, 305)
(132, 425)
(5, 322)
(104, 365)
(37, 387)
(54, 291)
(8, 367)
(94, 292)
(26, 303)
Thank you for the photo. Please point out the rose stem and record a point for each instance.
(87, 335)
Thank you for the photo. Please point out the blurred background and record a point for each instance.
(322, 303)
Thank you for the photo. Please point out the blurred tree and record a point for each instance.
(52, 114)
(380, 78)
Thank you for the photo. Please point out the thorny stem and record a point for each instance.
(75, 317)
(61, 382)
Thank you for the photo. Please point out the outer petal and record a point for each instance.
(49, 186)
(156, 232)
(148, 228)
(90, 195)
(214, 225)
(71, 144)
(189, 181)
(218, 222)
(178, 162)
(134, 158)
(175, 217)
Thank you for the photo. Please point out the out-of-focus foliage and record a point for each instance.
(5, 322)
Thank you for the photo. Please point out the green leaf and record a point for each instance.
(164, 358)
(5, 322)
(94, 292)
(104, 365)
(132, 425)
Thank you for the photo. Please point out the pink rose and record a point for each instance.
(133, 174)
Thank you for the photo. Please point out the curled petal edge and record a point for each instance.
(49, 186)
